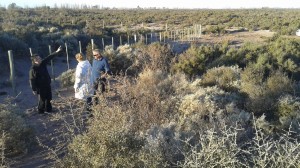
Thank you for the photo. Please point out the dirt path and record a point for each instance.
(49, 132)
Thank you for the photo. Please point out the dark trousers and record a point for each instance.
(45, 97)
(101, 82)
(89, 104)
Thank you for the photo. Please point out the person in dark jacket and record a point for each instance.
(40, 81)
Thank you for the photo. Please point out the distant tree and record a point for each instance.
(12, 6)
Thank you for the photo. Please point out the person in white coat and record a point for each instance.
(83, 85)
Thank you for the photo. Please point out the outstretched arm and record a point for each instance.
(52, 55)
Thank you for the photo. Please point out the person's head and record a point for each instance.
(36, 59)
(97, 54)
(79, 57)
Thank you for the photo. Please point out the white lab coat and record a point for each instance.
(83, 85)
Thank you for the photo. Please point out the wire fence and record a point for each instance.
(190, 34)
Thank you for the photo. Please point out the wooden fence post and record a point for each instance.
(30, 50)
(12, 71)
(159, 36)
(79, 42)
(103, 44)
(92, 41)
(68, 64)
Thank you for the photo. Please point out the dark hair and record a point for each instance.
(33, 56)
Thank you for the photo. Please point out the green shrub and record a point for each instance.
(196, 60)
(18, 135)
(289, 112)
(120, 59)
(263, 90)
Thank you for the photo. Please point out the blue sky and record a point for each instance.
(215, 4)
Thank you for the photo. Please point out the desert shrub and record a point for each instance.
(279, 83)
(116, 135)
(109, 142)
(214, 149)
(263, 90)
(67, 78)
(266, 150)
(285, 52)
(2, 150)
(196, 60)
(120, 59)
(220, 146)
(289, 112)
(252, 79)
(163, 146)
(10, 42)
(144, 127)
(209, 101)
(154, 56)
(227, 78)
(18, 135)
(149, 98)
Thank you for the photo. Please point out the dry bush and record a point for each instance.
(154, 56)
(227, 78)
(109, 142)
(221, 147)
(113, 136)
(214, 148)
(2, 150)
(67, 78)
(18, 135)
(151, 97)
(266, 151)
(211, 102)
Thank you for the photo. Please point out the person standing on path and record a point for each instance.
(83, 85)
(100, 70)
(40, 81)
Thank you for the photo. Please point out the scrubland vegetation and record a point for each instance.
(241, 113)
(213, 105)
